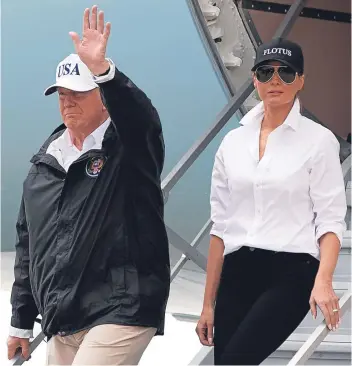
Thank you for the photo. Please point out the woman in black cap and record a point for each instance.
(278, 207)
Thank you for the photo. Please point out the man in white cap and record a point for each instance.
(92, 253)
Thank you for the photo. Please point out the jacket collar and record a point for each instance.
(256, 115)
(110, 134)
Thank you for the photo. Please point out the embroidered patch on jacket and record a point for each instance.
(95, 165)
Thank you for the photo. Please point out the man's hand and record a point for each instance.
(91, 49)
(13, 343)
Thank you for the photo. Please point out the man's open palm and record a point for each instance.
(91, 49)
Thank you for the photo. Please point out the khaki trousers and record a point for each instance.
(107, 344)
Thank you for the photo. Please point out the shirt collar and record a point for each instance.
(256, 114)
(97, 135)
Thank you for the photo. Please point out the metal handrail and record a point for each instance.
(187, 249)
(312, 343)
(315, 339)
(301, 356)
(19, 360)
(293, 13)
(199, 146)
(197, 240)
(346, 168)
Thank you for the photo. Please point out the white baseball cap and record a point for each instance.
(73, 74)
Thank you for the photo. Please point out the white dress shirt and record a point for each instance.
(288, 199)
(65, 152)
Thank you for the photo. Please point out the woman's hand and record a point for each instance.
(324, 296)
(205, 326)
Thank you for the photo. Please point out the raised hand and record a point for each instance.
(91, 49)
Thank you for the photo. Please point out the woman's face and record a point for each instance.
(276, 92)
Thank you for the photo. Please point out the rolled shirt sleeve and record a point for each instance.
(327, 188)
(219, 194)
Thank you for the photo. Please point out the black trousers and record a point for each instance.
(263, 296)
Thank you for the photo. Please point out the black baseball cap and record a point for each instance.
(282, 50)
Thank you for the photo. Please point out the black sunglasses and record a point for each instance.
(265, 73)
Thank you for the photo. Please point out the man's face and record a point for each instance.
(80, 109)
